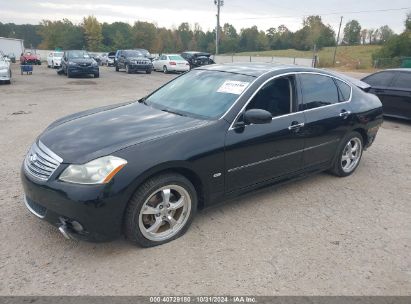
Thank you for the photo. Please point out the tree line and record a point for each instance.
(93, 35)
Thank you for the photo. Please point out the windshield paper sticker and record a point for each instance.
(233, 87)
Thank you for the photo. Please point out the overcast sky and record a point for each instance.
(240, 13)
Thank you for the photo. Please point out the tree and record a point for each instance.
(229, 39)
(385, 33)
(352, 33)
(92, 33)
(60, 34)
(144, 34)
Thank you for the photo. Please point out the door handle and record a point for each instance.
(344, 114)
(295, 125)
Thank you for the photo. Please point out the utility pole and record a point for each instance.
(338, 39)
(219, 4)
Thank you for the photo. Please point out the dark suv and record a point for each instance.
(133, 61)
(79, 62)
(196, 59)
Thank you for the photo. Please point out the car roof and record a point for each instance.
(399, 70)
(258, 69)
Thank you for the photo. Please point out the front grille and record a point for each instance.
(41, 162)
(141, 62)
(35, 208)
(85, 64)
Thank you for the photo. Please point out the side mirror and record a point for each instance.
(257, 117)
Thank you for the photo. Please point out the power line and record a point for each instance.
(328, 14)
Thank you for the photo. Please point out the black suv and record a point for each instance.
(196, 59)
(78, 62)
(133, 61)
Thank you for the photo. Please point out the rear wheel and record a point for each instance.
(165, 70)
(349, 155)
(161, 210)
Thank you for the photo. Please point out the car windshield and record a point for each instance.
(58, 54)
(78, 54)
(176, 57)
(200, 93)
(133, 54)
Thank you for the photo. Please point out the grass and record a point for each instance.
(348, 57)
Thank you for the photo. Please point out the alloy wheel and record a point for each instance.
(164, 213)
(351, 155)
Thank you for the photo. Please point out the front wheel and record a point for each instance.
(96, 75)
(128, 71)
(349, 155)
(117, 68)
(148, 72)
(161, 210)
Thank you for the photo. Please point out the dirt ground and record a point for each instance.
(319, 236)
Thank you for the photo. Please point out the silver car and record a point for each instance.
(5, 71)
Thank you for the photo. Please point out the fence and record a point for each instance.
(264, 59)
(396, 62)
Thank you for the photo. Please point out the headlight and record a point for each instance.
(98, 171)
(72, 63)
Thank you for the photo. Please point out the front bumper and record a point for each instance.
(5, 75)
(57, 64)
(140, 67)
(79, 70)
(98, 209)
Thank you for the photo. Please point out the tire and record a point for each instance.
(117, 69)
(68, 74)
(7, 81)
(97, 75)
(346, 161)
(148, 72)
(152, 195)
(165, 70)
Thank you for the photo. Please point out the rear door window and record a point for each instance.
(403, 81)
(382, 79)
(318, 91)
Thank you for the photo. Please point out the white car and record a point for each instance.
(171, 63)
(5, 71)
(54, 59)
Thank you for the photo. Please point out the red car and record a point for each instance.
(29, 58)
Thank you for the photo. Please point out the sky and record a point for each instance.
(240, 13)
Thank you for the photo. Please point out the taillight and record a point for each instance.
(173, 63)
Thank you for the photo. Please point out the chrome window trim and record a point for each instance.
(279, 156)
(282, 75)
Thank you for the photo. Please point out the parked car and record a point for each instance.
(12, 57)
(393, 87)
(133, 61)
(144, 168)
(171, 63)
(197, 59)
(54, 59)
(96, 57)
(79, 62)
(30, 58)
(5, 70)
(111, 58)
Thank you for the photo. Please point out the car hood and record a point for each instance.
(87, 135)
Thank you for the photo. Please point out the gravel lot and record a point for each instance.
(319, 236)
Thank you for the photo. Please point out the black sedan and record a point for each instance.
(144, 168)
(393, 87)
(78, 62)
